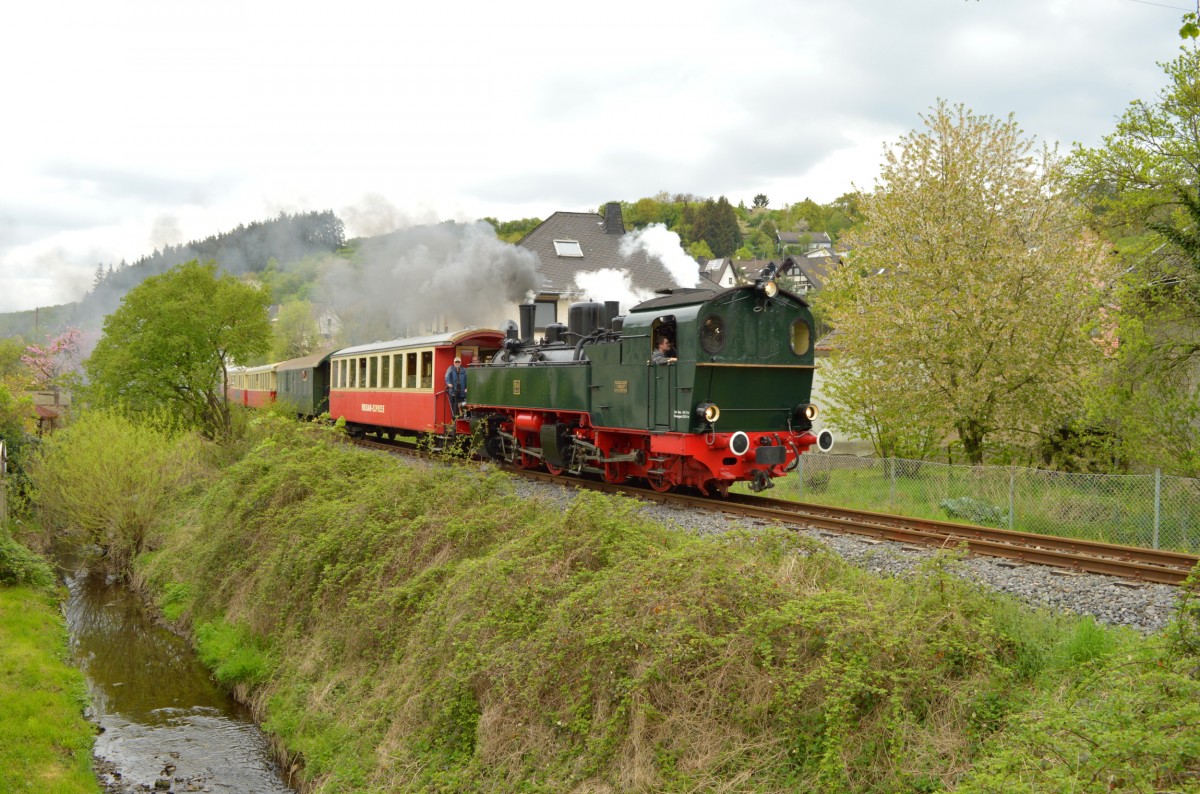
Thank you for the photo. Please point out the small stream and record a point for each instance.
(165, 725)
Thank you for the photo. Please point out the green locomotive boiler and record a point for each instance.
(731, 404)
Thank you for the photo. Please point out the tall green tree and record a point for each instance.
(1152, 158)
(171, 341)
(964, 312)
(717, 224)
(1143, 180)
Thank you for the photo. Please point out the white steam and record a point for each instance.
(610, 284)
(664, 245)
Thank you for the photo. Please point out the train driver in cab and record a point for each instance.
(663, 352)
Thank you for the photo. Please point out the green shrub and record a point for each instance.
(20, 566)
(976, 511)
(106, 480)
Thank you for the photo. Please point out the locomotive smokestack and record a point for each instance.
(611, 310)
(528, 312)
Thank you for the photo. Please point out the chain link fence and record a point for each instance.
(1148, 510)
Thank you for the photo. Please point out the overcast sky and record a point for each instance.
(131, 125)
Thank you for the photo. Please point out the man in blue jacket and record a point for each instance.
(456, 385)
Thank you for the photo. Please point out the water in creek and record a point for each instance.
(165, 725)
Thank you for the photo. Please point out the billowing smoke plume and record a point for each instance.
(165, 232)
(373, 215)
(664, 245)
(610, 284)
(430, 278)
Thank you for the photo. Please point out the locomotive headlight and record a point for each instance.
(810, 411)
(768, 288)
(708, 412)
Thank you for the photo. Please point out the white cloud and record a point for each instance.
(223, 113)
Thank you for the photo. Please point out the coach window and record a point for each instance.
(373, 378)
(426, 369)
(410, 371)
(362, 372)
(385, 371)
(397, 370)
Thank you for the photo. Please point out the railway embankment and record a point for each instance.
(429, 628)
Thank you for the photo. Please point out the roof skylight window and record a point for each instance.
(568, 248)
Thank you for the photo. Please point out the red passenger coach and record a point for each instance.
(253, 387)
(398, 387)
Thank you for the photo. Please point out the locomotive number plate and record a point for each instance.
(516, 387)
(621, 386)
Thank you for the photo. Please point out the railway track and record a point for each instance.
(1130, 562)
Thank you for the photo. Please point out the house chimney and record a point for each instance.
(613, 224)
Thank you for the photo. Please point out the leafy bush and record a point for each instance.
(20, 566)
(975, 511)
(106, 480)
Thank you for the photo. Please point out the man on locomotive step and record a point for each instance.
(663, 354)
(456, 386)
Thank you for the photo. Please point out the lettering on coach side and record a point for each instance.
(372, 409)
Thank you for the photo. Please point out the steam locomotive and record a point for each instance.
(588, 398)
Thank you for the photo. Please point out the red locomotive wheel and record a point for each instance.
(555, 470)
(659, 483)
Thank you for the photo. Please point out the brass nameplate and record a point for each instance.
(621, 386)
(516, 387)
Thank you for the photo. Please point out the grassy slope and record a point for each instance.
(406, 629)
(45, 743)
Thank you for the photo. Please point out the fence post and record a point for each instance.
(892, 481)
(1012, 485)
(1157, 503)
(799, 478)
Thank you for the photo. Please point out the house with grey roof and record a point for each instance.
(570, 243)
(721, 272)
(803, 242)
(806, 274)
